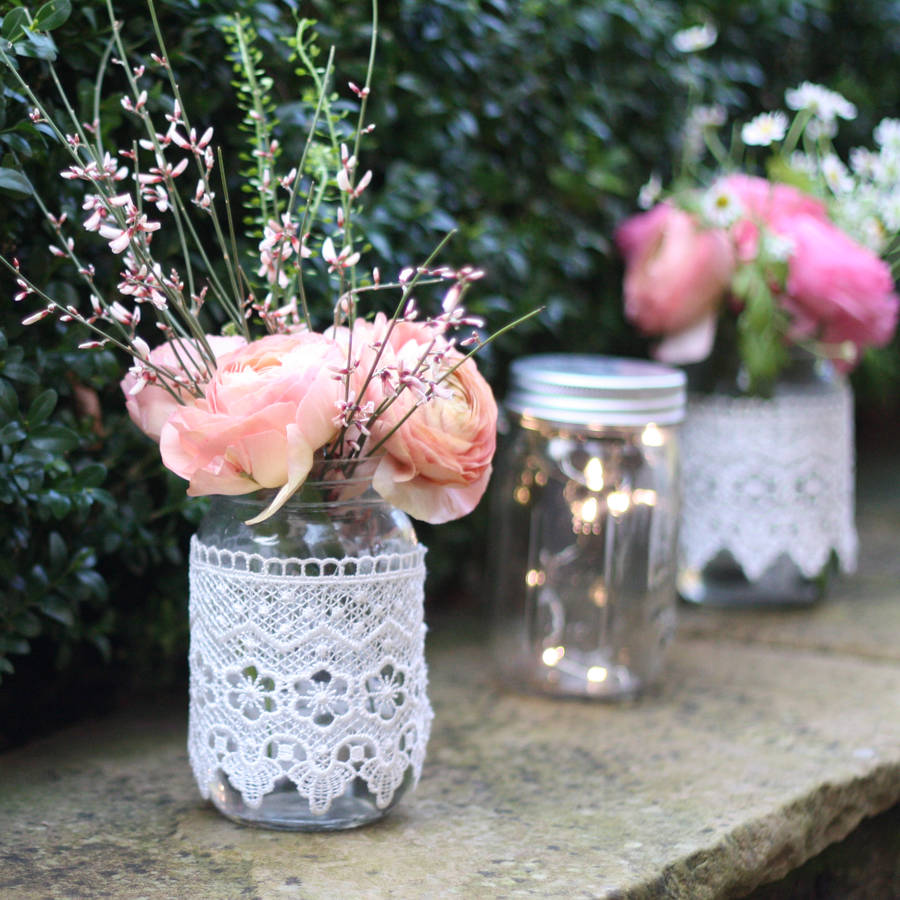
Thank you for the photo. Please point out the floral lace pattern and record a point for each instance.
(765, 478)
(309, 669)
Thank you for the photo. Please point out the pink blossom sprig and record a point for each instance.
(348, 392)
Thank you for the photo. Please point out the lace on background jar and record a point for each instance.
(768, 506)
(586, 504)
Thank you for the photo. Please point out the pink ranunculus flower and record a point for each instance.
(676, 272)
(269, 408)
(837, 290)
(151, 407)
(437, 463)
(761, 201)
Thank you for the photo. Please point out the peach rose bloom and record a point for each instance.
(269, 408)
(676, 272)
(151, 407)
(437, 463)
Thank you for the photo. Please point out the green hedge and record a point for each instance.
(529, 126)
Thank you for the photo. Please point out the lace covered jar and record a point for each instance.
(586, 512)
(768, 490)
(307, 673)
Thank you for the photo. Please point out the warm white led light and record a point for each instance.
(652, 436)
(618, 502)
(552, 655)
(593, 474)
(589, 509)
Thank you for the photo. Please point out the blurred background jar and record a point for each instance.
(585, 516)
(768, 506)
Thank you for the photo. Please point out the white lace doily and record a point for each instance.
(764, 478)
(309, 669)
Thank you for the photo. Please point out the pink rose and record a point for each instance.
(269, 408)
(762, 201)
(438, 462)
(153, 404)
(676, 272)
(837, 290)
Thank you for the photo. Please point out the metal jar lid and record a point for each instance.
(596, 390)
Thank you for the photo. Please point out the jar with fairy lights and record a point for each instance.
(586, 504)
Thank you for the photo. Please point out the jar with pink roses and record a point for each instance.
(768, 306)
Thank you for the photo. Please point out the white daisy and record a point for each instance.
(692, 40)
(887, 134)
(765, 129)
(804, 163)
(821, 128)
(872, 234)
(775, 246)
(863, 162)
(700, 120)
(890, 211)
(720, 206)
(711, 116)
(836, 175)
(824, 104)
(649, 193)
(887, 169)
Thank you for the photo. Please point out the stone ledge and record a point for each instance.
(748, 761)
(773, 735)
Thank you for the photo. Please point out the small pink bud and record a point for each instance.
(36, 317)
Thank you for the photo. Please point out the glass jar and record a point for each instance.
(768, 489)
(586, 513)
(308, 705)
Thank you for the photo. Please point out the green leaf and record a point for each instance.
(780, 169)
(101, 642)
(42, 406)
(40, 579)
(14, 182)
(56, 609)
(55, 438)
(90, 476)
(37, 46)
(17, 143)
(9, 399)
(58, 551)
(94, 582)
(14, 645)
(60, 505)
(53, 14)
(15, 24)
(11, 433)
(19, 372)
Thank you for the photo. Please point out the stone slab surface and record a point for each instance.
(772, 736)
(748, 761)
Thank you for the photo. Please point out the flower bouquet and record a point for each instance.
(768, 289)
(317, 439)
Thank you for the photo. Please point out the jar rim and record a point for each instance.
(584, 389)
(347, 480)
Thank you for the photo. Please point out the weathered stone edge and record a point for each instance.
(768, 848)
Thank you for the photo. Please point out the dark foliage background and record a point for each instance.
(528, 125)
